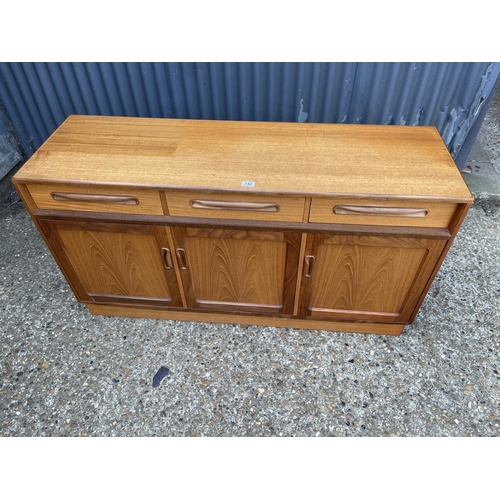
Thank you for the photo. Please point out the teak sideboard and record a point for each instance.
(301, 225)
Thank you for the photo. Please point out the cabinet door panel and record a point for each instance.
(367, 278)
(239, 270)
(116, 263)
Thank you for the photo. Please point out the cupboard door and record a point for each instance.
(366, 278)
(238, 270)
(116, 263)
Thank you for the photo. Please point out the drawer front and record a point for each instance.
(235, 206)
(381, 212)
(87, 198)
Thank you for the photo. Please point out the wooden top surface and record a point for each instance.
(305, 158)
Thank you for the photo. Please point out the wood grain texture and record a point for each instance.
(115, 136)
(118, 260)
(439, 214)
(367, 277)
(276, 321)
(362, 280)
(148, 200)
(293, 158)
(228, 271)
(290, 209)
(116, 263)
(239, 270)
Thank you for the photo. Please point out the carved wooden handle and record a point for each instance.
(96, 198)
(181, 258)
(308, 265)
(167, 258)
(235, 205)
(387, 211)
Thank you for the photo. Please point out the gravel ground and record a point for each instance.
(65, 372)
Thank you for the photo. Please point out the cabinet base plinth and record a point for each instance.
(280, 322)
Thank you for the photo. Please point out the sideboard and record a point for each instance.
(300, 225)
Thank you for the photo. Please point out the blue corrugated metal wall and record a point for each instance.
(37, 97)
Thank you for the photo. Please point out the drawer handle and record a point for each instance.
(181, 258)
(308, 265)
(167, 258)
(235, 205)
(387, 211)
(96, 198)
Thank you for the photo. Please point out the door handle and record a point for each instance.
(308, 265)
(167, 258)
(181, 258)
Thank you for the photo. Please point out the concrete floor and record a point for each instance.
(67, 373)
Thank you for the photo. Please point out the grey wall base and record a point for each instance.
(8, 193)
(10, 158)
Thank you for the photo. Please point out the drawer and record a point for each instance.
(235, 206)
(89, 198)
(381, 212)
